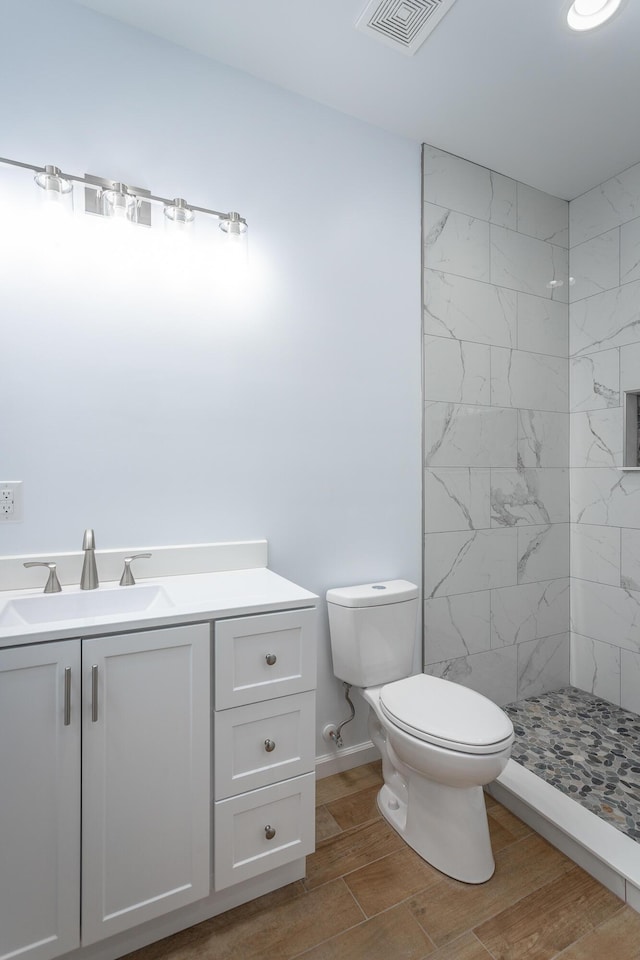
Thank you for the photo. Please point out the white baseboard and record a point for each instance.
(338, 760)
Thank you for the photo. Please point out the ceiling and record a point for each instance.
(501, 82)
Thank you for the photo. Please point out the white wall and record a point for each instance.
(496, 431)
(605, 502)
(144, 396)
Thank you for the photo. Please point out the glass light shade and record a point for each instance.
(119, 204)
(587, 14)
(57, 192)
(234, 227)
(51, 181)
(178, 212)
(233, 253)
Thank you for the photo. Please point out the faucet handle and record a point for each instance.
(89, 540)
(53, 584)
(126, 580)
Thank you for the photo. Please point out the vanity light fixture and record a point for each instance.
(121, 201)
(587, 14)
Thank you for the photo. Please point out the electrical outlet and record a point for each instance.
(11, 501)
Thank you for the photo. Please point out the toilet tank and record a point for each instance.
(373, 631)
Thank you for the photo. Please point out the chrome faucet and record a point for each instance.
(89, 578)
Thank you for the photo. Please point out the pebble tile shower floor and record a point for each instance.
(587, 748)
(368, 896)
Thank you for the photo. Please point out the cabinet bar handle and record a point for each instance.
(94, 693)
(67, 696)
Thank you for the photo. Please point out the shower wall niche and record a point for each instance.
(632, 429)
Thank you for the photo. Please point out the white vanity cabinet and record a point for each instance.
(157, 750)
(140, 704)
(264, 744)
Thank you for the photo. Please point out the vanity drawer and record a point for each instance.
(265, 656)
(262, 743)
(266, 828)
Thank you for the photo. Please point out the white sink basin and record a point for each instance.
(57, 607)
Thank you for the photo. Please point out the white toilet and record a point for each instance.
(440, 742)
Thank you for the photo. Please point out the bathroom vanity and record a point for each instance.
(156, 751)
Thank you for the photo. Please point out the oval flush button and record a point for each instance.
(378, 586)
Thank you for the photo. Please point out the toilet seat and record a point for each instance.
(446, 714)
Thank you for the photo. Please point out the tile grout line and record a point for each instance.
(489, 952)
(355, 869)
(401, 903)
(556, 955)
(588, 933)
(512, 903)
(353, 926)
(380, 913)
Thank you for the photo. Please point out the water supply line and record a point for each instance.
(336, 735)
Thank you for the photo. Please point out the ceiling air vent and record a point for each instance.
(402, 24)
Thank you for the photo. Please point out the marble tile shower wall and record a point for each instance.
(496, 431)
(605, 502)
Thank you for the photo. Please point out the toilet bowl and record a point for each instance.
(432, 793)
(440, 742)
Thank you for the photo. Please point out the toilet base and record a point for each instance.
(446, 826)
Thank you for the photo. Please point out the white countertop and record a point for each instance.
(182, 599)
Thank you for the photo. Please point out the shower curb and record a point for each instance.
(596, 846)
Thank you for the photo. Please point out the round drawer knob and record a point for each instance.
(269, 745)
(271, 659)
(269, 832)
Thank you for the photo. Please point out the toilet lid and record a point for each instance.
(446, 714)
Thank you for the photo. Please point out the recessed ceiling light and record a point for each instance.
(587, 14)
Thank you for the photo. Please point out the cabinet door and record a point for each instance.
(146, 776)
(39, 800)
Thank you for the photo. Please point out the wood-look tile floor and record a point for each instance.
(367, 896)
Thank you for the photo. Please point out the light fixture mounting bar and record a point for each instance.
(25, 166)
